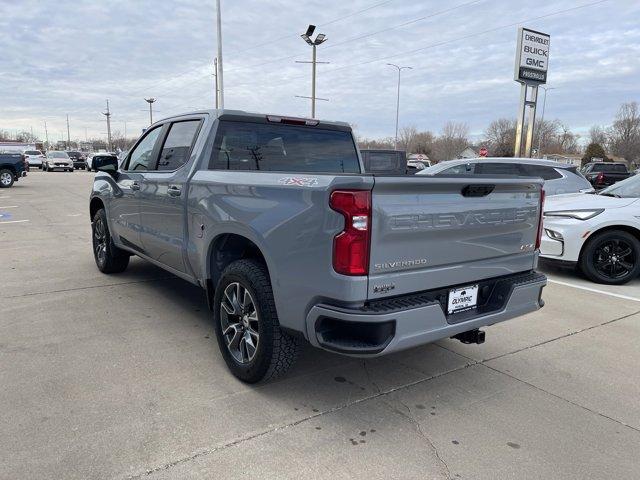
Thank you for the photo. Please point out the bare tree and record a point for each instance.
(452, 142)
(624, 135)
(423, 143)
(598, 134)
(373, 143)
(406, 138)
(500, 137)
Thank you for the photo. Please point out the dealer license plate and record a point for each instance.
(461, 299)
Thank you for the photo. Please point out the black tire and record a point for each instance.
(276, 350)
(6, 178)
(108, 257)
(611, 257)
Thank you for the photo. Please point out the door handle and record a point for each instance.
(135, 186)
(174, 190)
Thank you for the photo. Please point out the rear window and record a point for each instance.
(32, 152)
(379, 162)
(286, 148)
(544, 172)
(609, 167)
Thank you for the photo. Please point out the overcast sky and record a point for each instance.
(69, 56)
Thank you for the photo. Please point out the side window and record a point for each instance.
(176, 148)
(463, 169)
(546, 173)
(140, 159)
(489, 168)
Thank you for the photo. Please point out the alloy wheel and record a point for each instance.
(100, 240)
(614, 259)
(239, 322)
(5, 178)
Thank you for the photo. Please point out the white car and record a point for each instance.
(599, 233)
(34, 158)
(57, 160)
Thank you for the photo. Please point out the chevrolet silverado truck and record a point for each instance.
(274, 218)
(13, 166)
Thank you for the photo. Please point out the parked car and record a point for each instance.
(393, 162)
(275, 219)
(57, 160)
(597, 233)
(418, 162)
(34, 158)
(603, 174)
(13, 166)
(79, 159)
(558, 177)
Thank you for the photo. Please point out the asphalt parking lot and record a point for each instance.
(120, 377)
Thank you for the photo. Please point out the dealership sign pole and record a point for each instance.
(532, 62)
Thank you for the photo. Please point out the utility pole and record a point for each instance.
(541, 124)
(395, 144)
(125, 130)
(219, 76)
(46, 133)
(320, 38)
(108, 115)
(150, 102)
(215, 74)
(68, 134)
(86, 136)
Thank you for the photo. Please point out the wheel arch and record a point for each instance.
(224, 249)
(609, 228)
(95, 204)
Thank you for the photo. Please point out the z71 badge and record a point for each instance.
(299, 181)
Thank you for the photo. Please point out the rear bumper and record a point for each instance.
(387, 326)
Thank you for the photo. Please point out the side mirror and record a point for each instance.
(105, 164)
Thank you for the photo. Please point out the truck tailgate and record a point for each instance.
(433, 232)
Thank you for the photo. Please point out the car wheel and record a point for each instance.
(109, 258)
(252, 343)
(6, 178)
(611, 257)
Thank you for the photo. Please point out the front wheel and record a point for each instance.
(108, 257)
(611, 257)
(6, 178)
(252, 343)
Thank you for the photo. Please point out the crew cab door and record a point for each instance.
(163, 195)
(124, 210)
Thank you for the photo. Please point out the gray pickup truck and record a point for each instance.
(274, 219)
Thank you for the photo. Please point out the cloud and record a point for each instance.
(69, 57)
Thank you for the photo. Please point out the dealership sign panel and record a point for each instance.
(532, 56)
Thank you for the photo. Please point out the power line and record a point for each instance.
(464, 37)
(279, 39)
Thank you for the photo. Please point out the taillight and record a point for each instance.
(600, 178)
(351, 246)
(539, 237)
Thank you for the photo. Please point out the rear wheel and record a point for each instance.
(611, 257)
(6, 178)
(108, 257)
(252, 343)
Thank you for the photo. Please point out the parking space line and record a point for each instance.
(594, 290)
(9, 206)
(14, 221)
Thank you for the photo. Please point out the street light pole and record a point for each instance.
(108, 115)
(215, 74)
(68, 134)
(150, 102)
(398, 101)
(541, 124)
(219, 76)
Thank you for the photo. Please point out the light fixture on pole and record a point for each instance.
(541, 124)
(395, 145)
(320, 38)
(150, 102)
